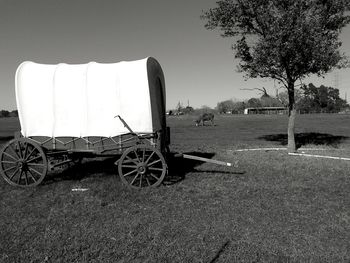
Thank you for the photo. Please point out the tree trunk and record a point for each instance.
(291, 118)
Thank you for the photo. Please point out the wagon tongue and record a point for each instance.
(197, 158)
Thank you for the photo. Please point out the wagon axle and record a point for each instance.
(142, 168)
(22, 164)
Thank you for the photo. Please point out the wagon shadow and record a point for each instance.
(104, 167)
(178, 167)
(302, 139)
(90, 168)
(4, 139)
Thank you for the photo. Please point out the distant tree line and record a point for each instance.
(321, 99)
(6, 113)
(309, 99)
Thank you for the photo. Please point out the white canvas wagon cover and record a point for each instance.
(83, 100)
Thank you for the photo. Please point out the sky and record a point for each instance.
(198, 64)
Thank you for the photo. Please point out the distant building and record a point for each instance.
(266, 110)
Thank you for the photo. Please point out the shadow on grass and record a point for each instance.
(4, 139)
(302, 139)
(247, 252)
(221, 250)
(79, 171)
(178, 167)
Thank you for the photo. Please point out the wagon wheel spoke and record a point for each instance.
(14, 151)
(149, 184)
(20, 149)
(36, 164)
(25, 151)
(141, 180)
(10, 168)
(35, 171)
(9, 162)
(154, 162)
(19, 177)
(133, 180)
(133, 171)
(129, 166)
(132, 160)
(149, 158)
(30, 154)
(155, 169)
(26, 177)
(32, 176)
(137, 156)
(34, 159)
(143, 154)
(14, 173)
(155, 177)
(9, 155)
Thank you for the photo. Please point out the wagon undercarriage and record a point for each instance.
(25, 162)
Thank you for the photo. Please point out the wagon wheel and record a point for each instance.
(142, 166)
(23, 163)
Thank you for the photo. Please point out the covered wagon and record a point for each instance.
(67, 112)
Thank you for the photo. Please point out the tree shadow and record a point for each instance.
(302, 139)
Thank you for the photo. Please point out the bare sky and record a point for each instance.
(198, 64)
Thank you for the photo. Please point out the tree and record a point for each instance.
(188, 110)
(179, 107)
(225, 106)
(282, 97)
(238, 107)
(283, 40)
(4, 113)
(262, 90)
(14, 113)
(270, 102)
(254, 103)
(321, 99)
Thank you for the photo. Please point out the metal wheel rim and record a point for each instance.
(23, 163)
(142, 166)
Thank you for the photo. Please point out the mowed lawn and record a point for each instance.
(271, 208)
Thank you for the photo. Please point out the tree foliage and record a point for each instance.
(14, 113)
(283, 97)
(231, 106)
(284, 40)
(4, 113)
(321, 99)
(225, 106)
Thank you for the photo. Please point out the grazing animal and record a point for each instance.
(205, 117)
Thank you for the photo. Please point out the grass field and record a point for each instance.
(271, 208)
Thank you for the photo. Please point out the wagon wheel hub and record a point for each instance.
(22, 164)
(142, 168)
